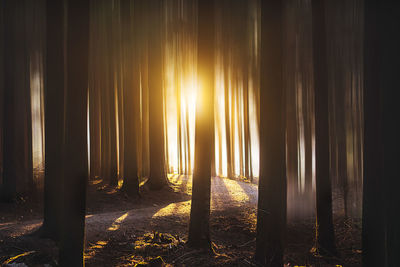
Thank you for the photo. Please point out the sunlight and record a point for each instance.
(180, 208)
(236, 192)
(116, 224)
(91, 250)
(37, 111)
(181, 93)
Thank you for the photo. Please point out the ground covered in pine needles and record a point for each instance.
(152, 230)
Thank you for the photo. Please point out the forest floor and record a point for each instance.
(153, 230)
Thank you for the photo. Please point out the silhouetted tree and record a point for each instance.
(325, 231)
(131, 94)
(54, 124)
(94, 94)
(1, 89)
(381, 200)
(17, 135)
(199, 233)
(75, 152)
(157, 177)
(271, 214)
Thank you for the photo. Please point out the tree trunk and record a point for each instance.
(131, 97)
(381, 199)
(325, 231)
(2, 13)
(76, 160)
(271, 215)
(94, 94)
(17, 138)
(157, 178)
(199, 233)
(389, 23)
(111, 94)
(54, 126)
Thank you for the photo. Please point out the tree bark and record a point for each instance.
(17, 139)
(325, 231)
(157, 178)
(381, 201)
(94, 96)
(54, 125)
(131, 96)
(1, 90)
(76, 160)
(271, 214)
(199, 233)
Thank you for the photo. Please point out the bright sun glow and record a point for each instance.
(181, 93)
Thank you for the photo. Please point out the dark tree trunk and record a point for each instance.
(111, 98)
(325, 231)
(104, 88)
(271, 215)
(199, 233)
(227, 120)
(94, 96)
(17, 139)
(157, 178)
(131, 96)
(76, 160)
(381, 201)
(389, 24)
(373, 232)
(1, 90)
(54, 125)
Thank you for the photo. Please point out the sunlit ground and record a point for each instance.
(225, 193)
(233, 217)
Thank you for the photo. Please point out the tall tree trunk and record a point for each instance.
(389, 23)
(145, 149)
(94, 96)
(325, 231)
(381, 199)
(17, 139)
(189, 160)
(1, 90)
(54, 125)
(199, 233)
(373, 231)
(111, 94)
(157, 178)
(271, 215)
(104, 87)
(131, 95)
(76, 161)
(227, 119)
(179, 126)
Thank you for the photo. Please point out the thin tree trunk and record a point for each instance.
(2, 13)
(145, 167)
(271, 215)
(179, 125)
(131, 96)
(227, 119)
(157, 178)
(325, 231)
(111, 98)
(94, 97)
(189, 160)
(199, 232)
